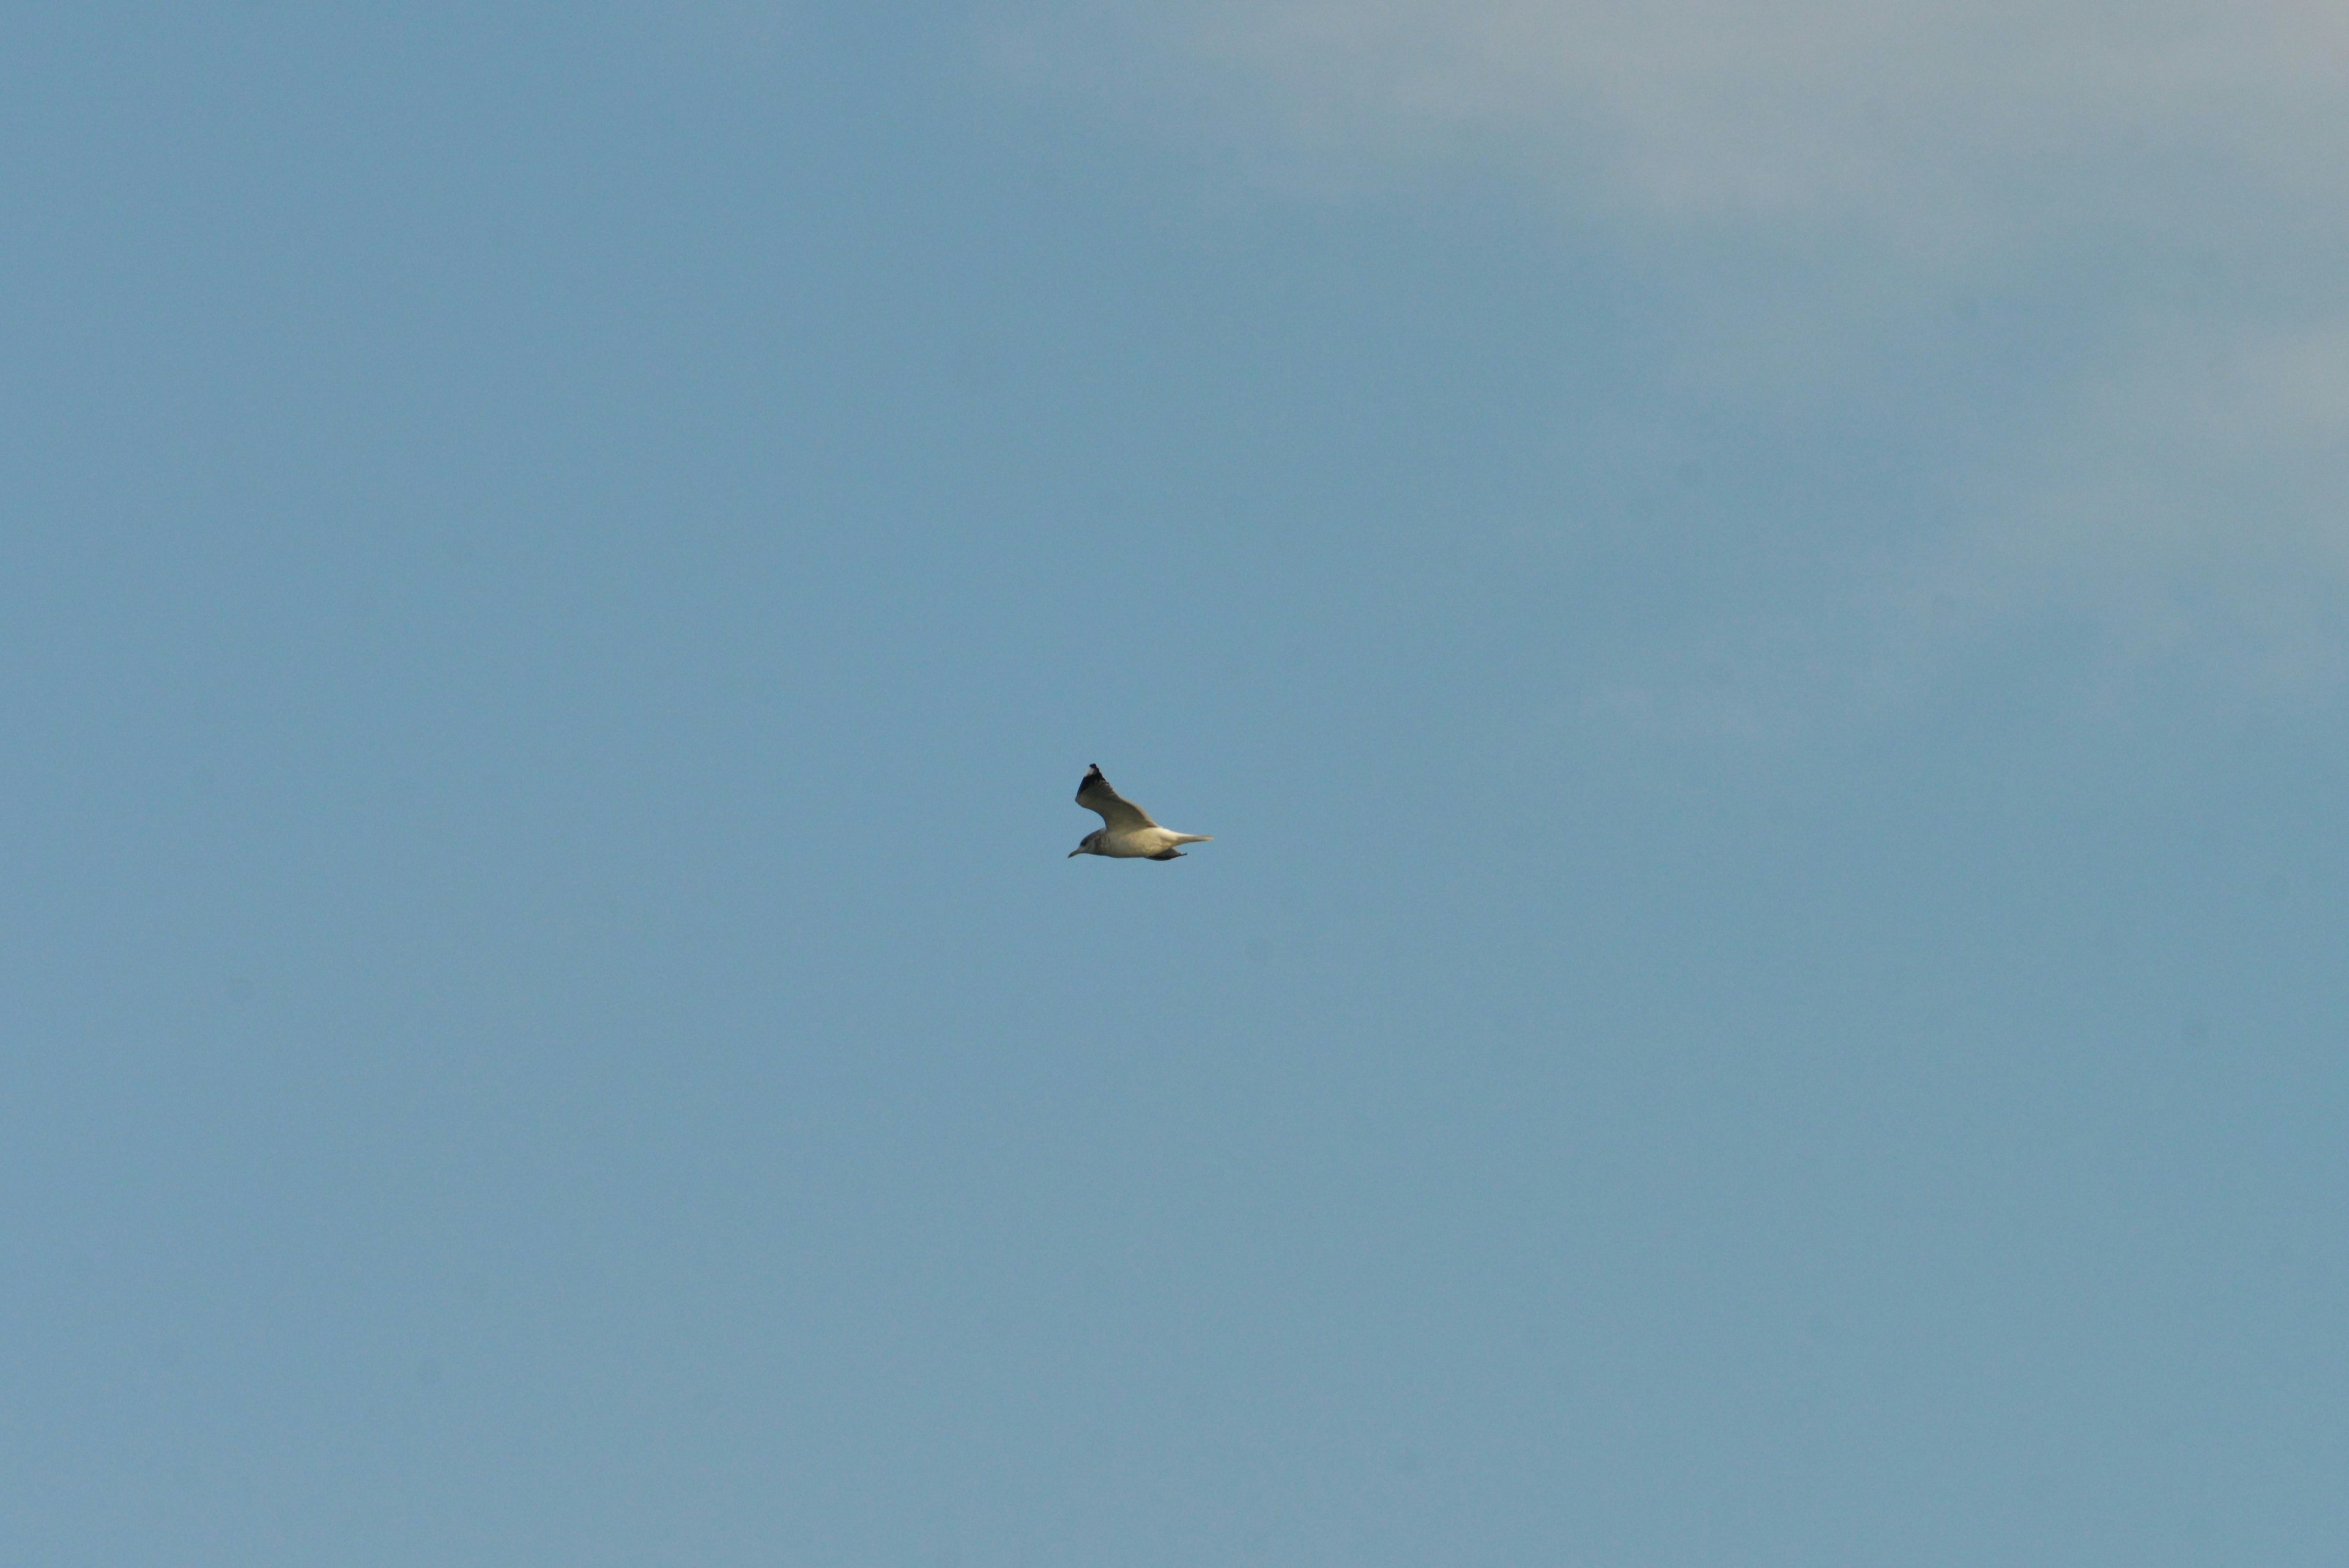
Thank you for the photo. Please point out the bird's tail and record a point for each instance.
(1194, 837)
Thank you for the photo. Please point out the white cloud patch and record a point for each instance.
(1700, 109)
(2193, 496)
(2182, 164)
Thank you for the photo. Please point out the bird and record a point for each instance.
(1126, 832)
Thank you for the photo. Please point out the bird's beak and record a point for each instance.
(1074, 853)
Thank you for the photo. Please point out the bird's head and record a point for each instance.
(1085, 845)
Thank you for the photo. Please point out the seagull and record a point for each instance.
(1126, 833)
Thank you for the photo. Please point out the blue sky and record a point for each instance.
(1752, 598)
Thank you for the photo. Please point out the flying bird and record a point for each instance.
(1126, 832)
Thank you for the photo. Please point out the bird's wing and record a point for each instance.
(1119, 814)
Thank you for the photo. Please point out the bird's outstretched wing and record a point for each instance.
(1119, 814)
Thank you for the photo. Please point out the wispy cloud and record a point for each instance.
(1713, 110)
(2177, 167)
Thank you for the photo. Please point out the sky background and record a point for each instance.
(1753, 598)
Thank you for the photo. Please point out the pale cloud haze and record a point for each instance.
(2151, 197)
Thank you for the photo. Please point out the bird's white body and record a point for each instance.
(1137, 843)
(1126, 832)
